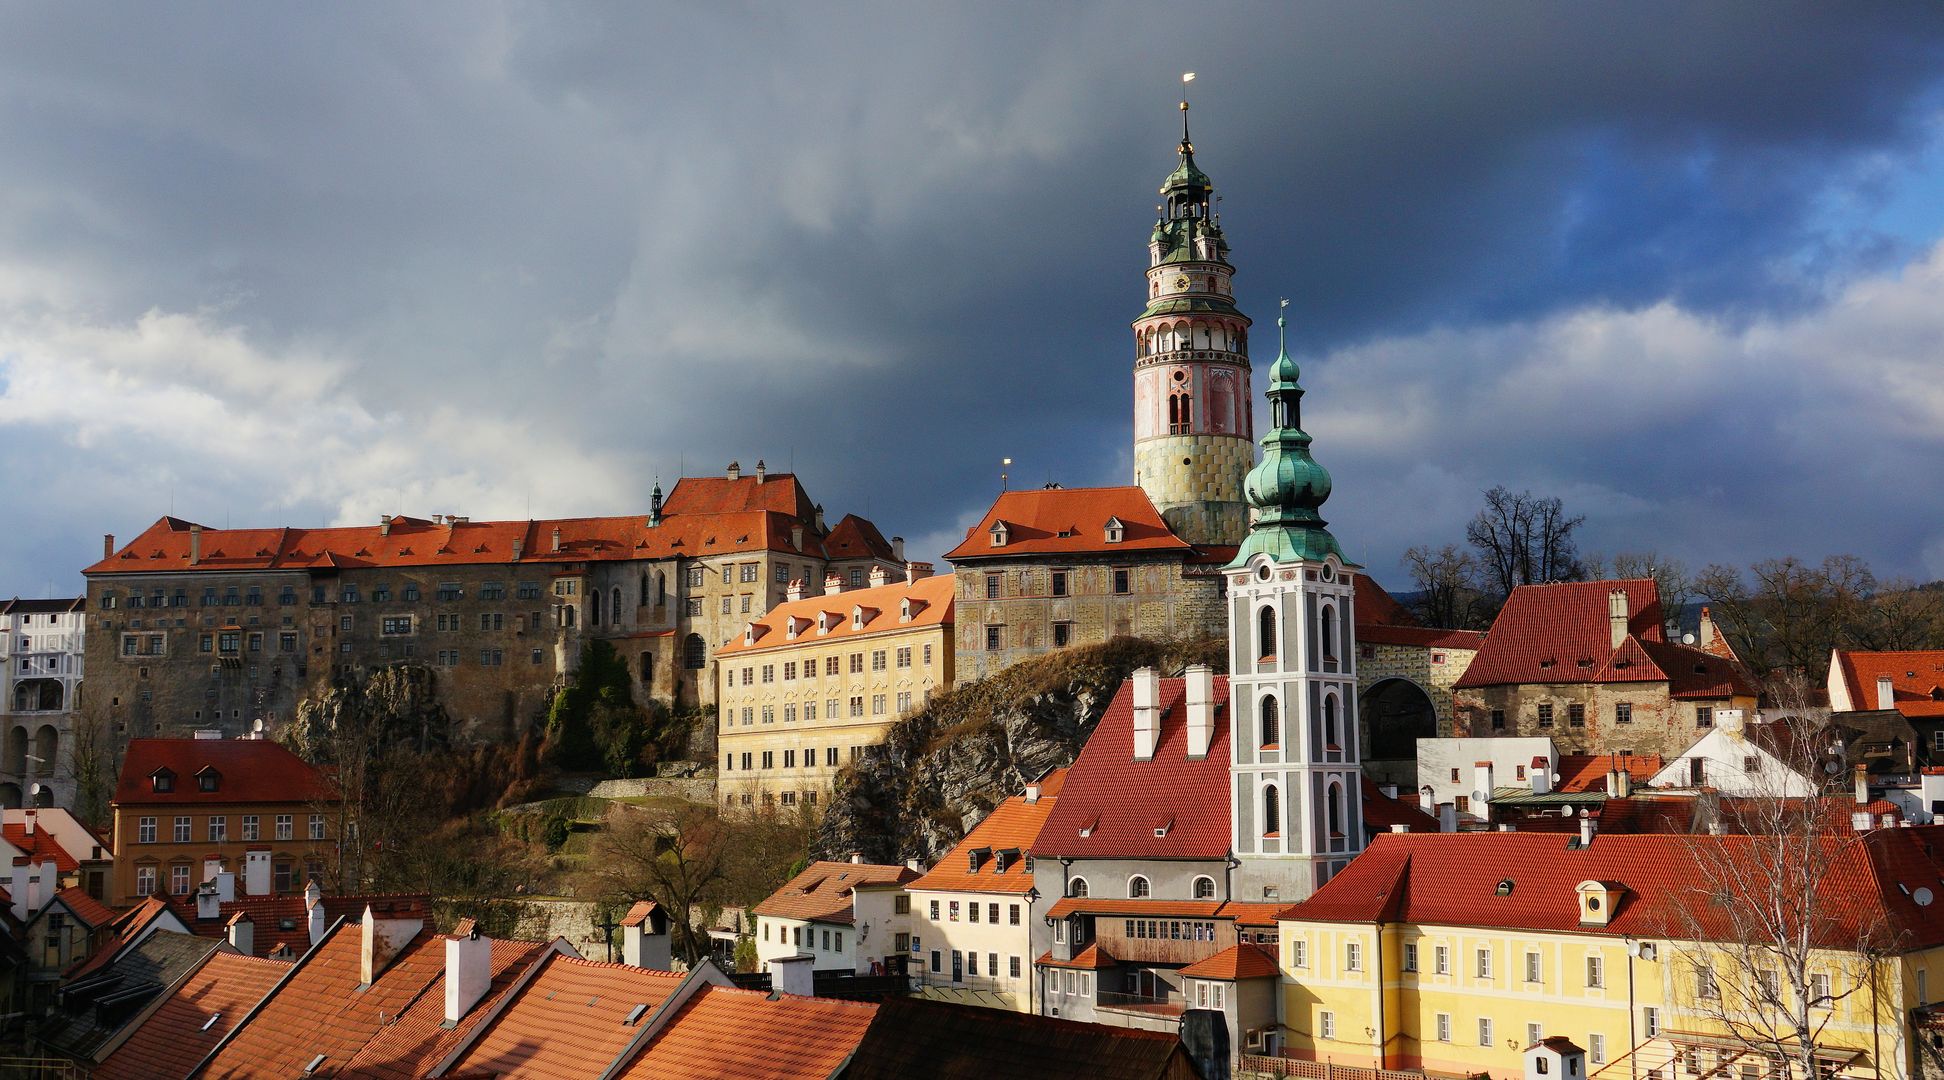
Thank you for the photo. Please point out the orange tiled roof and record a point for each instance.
(86, 908)
(283, 920)
(1916, 679)
(639, 913)
(1588, 772)
(125, 927)
(406, 1047)
(722, 1033)
(1251, 914)
(567, 1021)
(320, 1008)
(855, 538)
(823, 890)
(1069, 521)
(1091, 958)
(178, 1034)
(39, 847)
(1243, 960)
(250, 771)
(1013, 824)
(883, 613)
(776, 493)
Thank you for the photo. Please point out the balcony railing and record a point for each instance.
(1170, 1004)
(979, 983)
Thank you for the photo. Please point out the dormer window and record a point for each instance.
(1115, 531)
(208, 779)
(1596, 901)
(162, 780)
(904, 610)
(999, 534)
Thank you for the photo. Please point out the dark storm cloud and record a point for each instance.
(530, 256)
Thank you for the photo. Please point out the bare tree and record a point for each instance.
(1900, 615)
(1446, 581)
(1525, 539)
(1670, 577)
(1773, 938)
(1784, 615)
(94, 761)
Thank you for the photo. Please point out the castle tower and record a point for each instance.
(1192, 424)
(1294, 773)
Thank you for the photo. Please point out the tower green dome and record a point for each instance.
(1287, 487)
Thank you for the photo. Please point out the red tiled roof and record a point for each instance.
(1588, 772)
(1695, 673)
(1250, 914)
(1380, 811)
(283, 921)
(1916, 679)
(1377, 607)
(639, 913)
(968, 1042)
(823, 890)
(931, 596)
(1091, 958)
(567, 1021)
(1122, 800)
(777, 493)
(1418, 635)
(1453, 879)
(1243, 960)
(86, 908)
(1013, 824)
(1036, 518)
(1565, 624)
(722, 1033)
(406, 1047)
(39, 847)
(320, 1009)
(179, 1033)
(855, 538)
(251, 770)
(125, 927)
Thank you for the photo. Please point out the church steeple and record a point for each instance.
(1287, 488)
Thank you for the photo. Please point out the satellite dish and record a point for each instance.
(34, 789)
(1829, 767)
(1923, 896)
(1687, 639)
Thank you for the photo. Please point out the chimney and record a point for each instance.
(1886, 693)
(1860, 821)
(879, 576)
(383, 938)
(762, 471)
(314, 909)
(468, 970)
(107, 545)
(241, 932)
(796, 536)
(50, 883)
(1447, 817)
(857, 858)
(1389, 790)
(794, 591)
(212, 865)
(735, 470)
(1622, 784)
(1862, 784)
(1425, 801)
(1617, 615)
(833, 584)
(897, 549)
(1482, 790)
(556, 539)
(791, 975)
(1147, 713)
(1201, 709)
(20, 886)
(195, 544)
(27, 821)
(914, 571)
(519, 547)
(1400, 828)
(256, 872)
(915, 866)
(819, 517)
(1716, 828)
(1032, 794)
(208, 907)
(384, 525)
(1586, 829)
(225, 885)
(1709, 633)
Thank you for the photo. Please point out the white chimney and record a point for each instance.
(208, 908)
(1032, 794)
(1427, 801)
(1886, 693)
(384, 525)
(468, 970)
(762, 471)
(242, 933)
(792, 975)
(1147, 712)
(23, 874)
(556, 538)
(1709, 632)
(519, 547)
(735, 470)
(1400, 828)
(1930, 788)
(47, 883)
(1862, 785)
(225, 886)
(212, 865)
(27, 819)
(1482, 790)
(794, 591)
(1447, 817)
(833, 584)
(1586, 829)
(915, 571)
(256, 872)
(1541, 777)
(382, 939)
(1389, 790)
(879, 576)
(1860, 821)
(796, 537)
(1617, 615)
(1623, 784)
(915, 866)
(1201, 709)
(314, 911)
(857, 858)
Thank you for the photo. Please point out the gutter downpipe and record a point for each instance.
(1383, 1041)
(1633, 1038)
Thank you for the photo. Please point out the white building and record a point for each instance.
(1465, 772)
(41, 668)
(1736, 759)
(844, 916)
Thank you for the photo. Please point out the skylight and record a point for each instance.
(634, 1014)
(211, 1022)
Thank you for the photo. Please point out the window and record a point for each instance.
(1077, 887)
(145, 831)
(877, 660)
(1704, 985)
(1123, 582)
(396, 624)
(179, 880)
(1062, 634)
(145, 881)
(1484, 963)
(1498, 719)
(1595, 972)
(1484, 1031)
(1596, 1049)
(1271, 811)
(1819, 996)
(1014, 967)
(218, 829)
(995, 586)
(1059, 583)
(317, 826)
(1353, 956)
(1532, 972)
(1534, 1033)
(1271, 723)
(1650, 1021)
(1326, 1025)
(995, 636)
(1012, 919)
(1623, 712)
(1546, 715)
(1138, 888)
(284, 830)
(1299, 953)
(1704, 716)
(1441, 960)
(1444, 1027)
(1204, 888)
(1576, 715)
(181, 833)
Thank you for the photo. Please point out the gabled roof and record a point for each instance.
(1243, 960)
(408, 1046)
(1695, 673)
(965, 1042)
(1091, 958)
(193, 1019)
(64, 606)
(1375, 606)
(282, 922)
(1422, 636)
(1453, 879)
(1069, 521)
(126, 927)
(1563, 627)
(855, 538)
(92, 913)
(777, 493)
(932, 596)
(1120, 801)
(40, 847)
(1012, 826)
(1380, 811)
(723, 1033)
(1588, 772)
(1916, 679)
(567, 1021)
(822, 892)
(253, 771)
(80, 1027)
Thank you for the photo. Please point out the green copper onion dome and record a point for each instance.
(1287, 487)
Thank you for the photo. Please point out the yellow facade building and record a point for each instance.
(1453, 952)
(806, 687)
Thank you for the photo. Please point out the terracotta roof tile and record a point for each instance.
(778, 493)
(855, 538)
(86, 908)
(406, 1047)
(932, 598)
(40, 847)
(1091, 958)
(1243, 960)
(250, 770)
(1376, 607)
(1069, 521)
(1916, 679)
(823, 890)
(567, 1022)
(1418, 635)
(1588, 772)
(1012, 826)
(179, 1033)
(964, 1042)
(639, 913)
(730, 1034)
(1544, 632)
(1380, 811)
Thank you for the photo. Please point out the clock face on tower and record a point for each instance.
(1181, 283)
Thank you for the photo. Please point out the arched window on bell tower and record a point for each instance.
(1266, 633)
(1271, 723)
(1181, 411)
(1271, 811)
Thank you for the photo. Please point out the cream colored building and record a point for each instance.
(844, 916)
(806, 687)
(972, 915)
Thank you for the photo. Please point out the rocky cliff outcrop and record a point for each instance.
(942, 769)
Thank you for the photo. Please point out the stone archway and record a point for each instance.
(1397, 713)
(10, 796)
